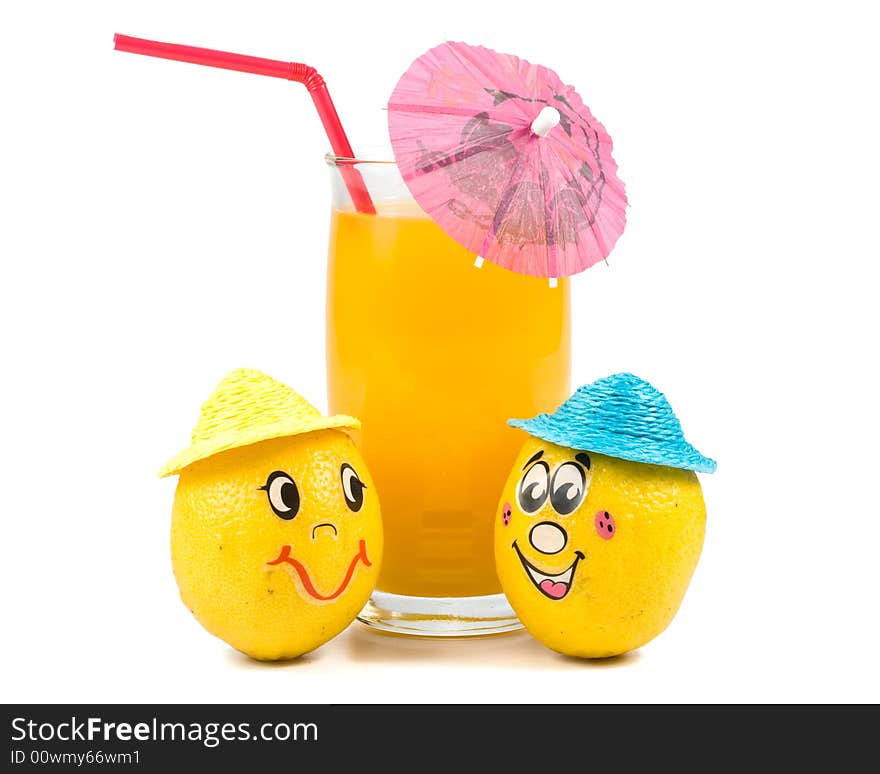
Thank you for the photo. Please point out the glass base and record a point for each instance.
(439, 616)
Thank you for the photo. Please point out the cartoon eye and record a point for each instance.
(532, 492)
(352, 487)
(568, 488)
(283, 494)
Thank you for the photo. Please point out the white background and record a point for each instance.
(164, 223)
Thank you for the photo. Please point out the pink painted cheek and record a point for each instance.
(506, 513)
(605, 525)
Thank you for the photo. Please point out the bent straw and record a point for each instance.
(291, 71)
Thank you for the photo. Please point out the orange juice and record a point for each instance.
(433, 356)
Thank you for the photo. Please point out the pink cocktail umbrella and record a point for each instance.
(507, 160)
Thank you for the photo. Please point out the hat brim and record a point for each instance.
(678, 454)
(220, 443)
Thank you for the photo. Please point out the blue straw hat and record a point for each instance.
(620, 416)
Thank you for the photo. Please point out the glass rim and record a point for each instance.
(334, 160)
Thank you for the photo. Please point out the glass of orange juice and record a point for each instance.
(433, 356)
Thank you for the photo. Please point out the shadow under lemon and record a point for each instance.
(510, 650)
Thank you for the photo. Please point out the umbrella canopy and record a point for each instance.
(507, 160)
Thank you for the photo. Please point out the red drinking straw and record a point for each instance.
(291, 71)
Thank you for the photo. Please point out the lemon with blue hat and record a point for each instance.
(276, 532)
(602, 519)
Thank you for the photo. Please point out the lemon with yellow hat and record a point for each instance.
(276, 533)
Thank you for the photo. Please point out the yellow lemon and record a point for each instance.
(595, 553)
(276, 546)
(276, 535)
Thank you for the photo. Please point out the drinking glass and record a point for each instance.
(433, 356)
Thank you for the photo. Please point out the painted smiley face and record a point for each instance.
(283, 497)
(554, 486)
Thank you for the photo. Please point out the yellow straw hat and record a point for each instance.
(248, 407)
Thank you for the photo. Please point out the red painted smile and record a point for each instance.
(285, 558)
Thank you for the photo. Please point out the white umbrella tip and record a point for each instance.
(545, 121)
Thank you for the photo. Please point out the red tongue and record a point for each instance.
(555, 589)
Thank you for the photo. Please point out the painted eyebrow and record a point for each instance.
(534, 458)
(584, 459)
